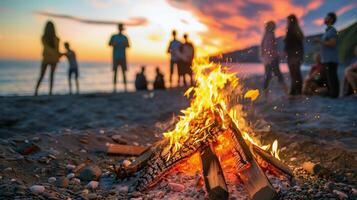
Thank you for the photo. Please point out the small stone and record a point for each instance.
(70, 176)
(135, 144)
(159, 194)
(126, 163)
(89, 173)
(176, 187)
(9, 169)
(62, 182)
(92, 196)
(354, 191)
(83, 151)
(76, 181)
(70, 167)
(118, 139)
(83, 141)
(36, 139)
(37, 189)
(123, 189)
(85, 192)
(93, 185)
(293, 159)
(28, 148)
(52, 179)
(341, 195)
(136, 194)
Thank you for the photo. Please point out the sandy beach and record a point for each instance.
(68, 129)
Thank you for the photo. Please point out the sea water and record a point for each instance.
(19, 77)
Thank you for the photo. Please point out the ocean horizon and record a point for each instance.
(18, 78)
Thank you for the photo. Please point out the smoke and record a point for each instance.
(134, 21)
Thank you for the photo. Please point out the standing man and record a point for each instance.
(73, 67)
(329, 56)
(173, 50)
(119, 42)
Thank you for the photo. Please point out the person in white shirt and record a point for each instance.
(173, 49)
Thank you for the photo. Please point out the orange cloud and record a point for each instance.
(345, 9)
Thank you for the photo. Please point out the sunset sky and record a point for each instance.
(213, 26)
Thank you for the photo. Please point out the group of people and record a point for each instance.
(182, 54)
(51, 56)
(323, 78)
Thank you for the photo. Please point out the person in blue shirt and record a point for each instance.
(73, 67)
(173, 49)
(329, 56)
(120, 43)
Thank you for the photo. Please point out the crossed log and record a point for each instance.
(154, 162)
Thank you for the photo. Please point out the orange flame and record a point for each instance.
(216, 90)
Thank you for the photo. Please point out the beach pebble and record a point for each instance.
(85, 192)
(28, 148)
(70, 175)
(136, 194)
(135, 144)
(36, 139)
(37, 189)
(83, 151)
(52, 179)
(123, 189)
(176, 187)
(9, 169)
(91, 196)
(341, 195)
(126, 163)
(89, 173)
(76, 181)
(62, 182)
(70, 167)
(93, 185)
(293, 159)
(118, 139)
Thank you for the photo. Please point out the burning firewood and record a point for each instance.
(213, 175)
(210, 116)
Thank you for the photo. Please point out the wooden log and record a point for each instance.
(254, 180)
(312, 168)
(272, 161)
(213, 175)
(125, 149)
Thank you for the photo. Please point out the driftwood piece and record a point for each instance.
(125, 149)
(213, 175)
(312, 168)
(272, 161)
(252, 176)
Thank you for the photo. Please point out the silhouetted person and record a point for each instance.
(314, 83)
(270, 57)
(173, 50)
(350, 82)
(140, 80)
(187, 53)
(159, 83)
(329, 56)
(50, 54)
(73, 67)
(294, 48)
(119, 42)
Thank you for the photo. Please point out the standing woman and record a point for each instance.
(50, 54)
(270, 57)
(294, 48)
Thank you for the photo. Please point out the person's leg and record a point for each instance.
(123, 70)
(292, 77)
(267, 78)
(184, 80)
(77, 82)
(52, 77)
(171, 71)
(332, 80)
(70, 81)
(42, 73)
(279, 75)
(351, 77)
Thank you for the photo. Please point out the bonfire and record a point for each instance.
(211, 132)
